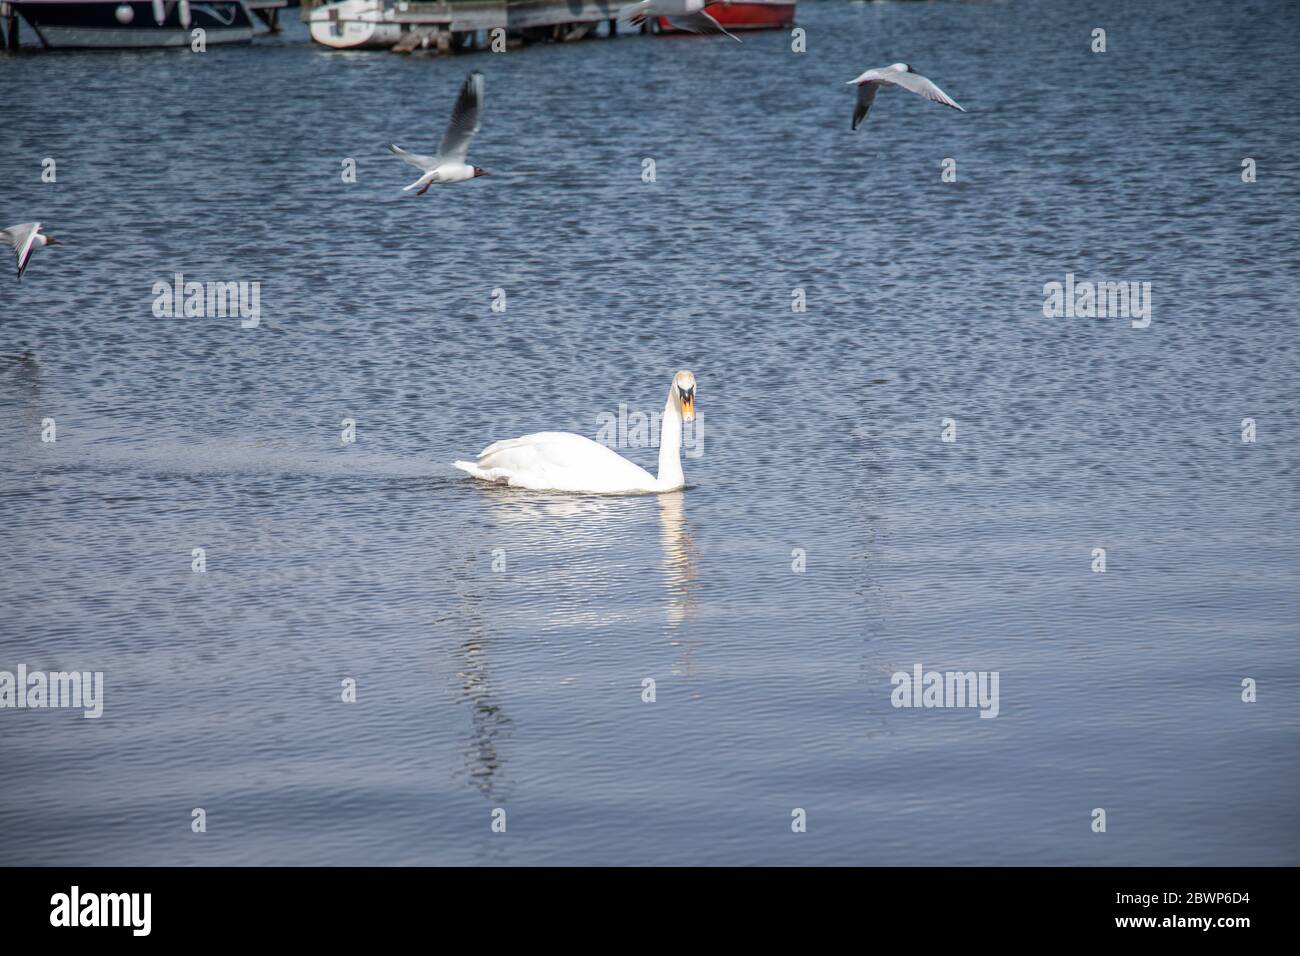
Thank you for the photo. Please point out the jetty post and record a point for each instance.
(9, 27)
(268, 11)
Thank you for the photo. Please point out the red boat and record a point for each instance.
(746, 15)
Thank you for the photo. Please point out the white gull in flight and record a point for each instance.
(896, 74)
(683, 14)
(449, 165)
(24, 239)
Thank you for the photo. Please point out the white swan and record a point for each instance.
(563, 461)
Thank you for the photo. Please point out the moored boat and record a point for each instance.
(125, 24)
(404, 25)
(355, 24)
(746, 15)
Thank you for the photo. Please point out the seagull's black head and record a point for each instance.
(51, 241)
(909, 68)
(480, 171)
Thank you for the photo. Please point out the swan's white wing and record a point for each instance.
(536, 440)
(415, 159)
(699, 23)
(558, 461)
(464, 121)
(920, 85)
(22, 239)
(866, 96)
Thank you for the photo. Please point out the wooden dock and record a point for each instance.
(268, 11)
(540, 14)
(444, 27)
(459, 16)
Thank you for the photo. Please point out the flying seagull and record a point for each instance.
(23, 239)
(683, 14)
(896, 74)
(449, 165)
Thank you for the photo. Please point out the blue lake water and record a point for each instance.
(521, 688)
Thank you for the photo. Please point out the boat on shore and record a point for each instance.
(746, 15)
(132, 24)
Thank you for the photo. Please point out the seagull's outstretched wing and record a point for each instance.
(699, 23)
(415, 159)
(635, 12)
(865, 77)
(920, 85)
(21, 239)
(464, 121)
(866, 96)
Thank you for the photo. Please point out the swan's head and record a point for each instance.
(684, 389)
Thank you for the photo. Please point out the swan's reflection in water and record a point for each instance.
(678, 557)
(582, 560)
(678, 579)
(489, 726)
(570, 562)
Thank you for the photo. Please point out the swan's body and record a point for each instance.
(896, 74)
(686, 15)
(449, 165)
(24, 239)
(563, 461)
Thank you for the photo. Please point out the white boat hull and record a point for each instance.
(354, 25)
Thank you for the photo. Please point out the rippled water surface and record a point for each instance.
(521, 688)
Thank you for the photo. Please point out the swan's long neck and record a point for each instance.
(670, 445)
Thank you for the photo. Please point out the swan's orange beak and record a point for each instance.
(688, 406)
